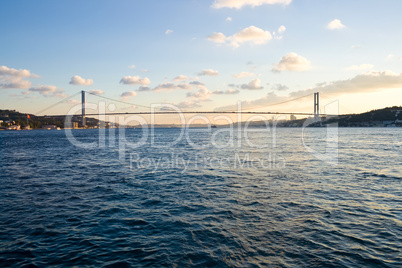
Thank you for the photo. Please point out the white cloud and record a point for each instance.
(44, 90)
(171, 87)
(168, 31)
(166, 87)
(20, 84)
(278, 35)
(197, 83)
(373, 81)
(77, 80)
(251, 34)
(202, 93)
(281, 29)
(48, 91)
(355, 47)
(252, 85)
(217, 38)
(230, 91)
(13, 78)
(5, 71)
(135, 80)
(188, 104)
(96, 91)
(253, 3)
(279, 87)
(359, 67)
(243, 74)
(368, 82)
(131, 66)
(181, 78)
(128, 94)
(209, 72)
(335, 25)
(144, 89)
(292, 62)
(228, 19)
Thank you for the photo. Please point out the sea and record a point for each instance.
(201, 197)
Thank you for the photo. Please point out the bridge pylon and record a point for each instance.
(83, 108)
(316, 106)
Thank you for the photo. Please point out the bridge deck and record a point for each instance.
(187, 112)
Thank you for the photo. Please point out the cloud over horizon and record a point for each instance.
(15, 79)
(202, 94)
(96, 92)
(252, 85)
(208, 72)
(367, 82)
(181, 78)
(128, 94)
(373, 81)
(172, 86)
(78, 80)
(230, 91)
(292, 62)
(279, 87)
(135, 80)
(48, 91)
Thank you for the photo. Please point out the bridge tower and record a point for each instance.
(83, 108)
(316, 106)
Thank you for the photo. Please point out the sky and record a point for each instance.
(201, 55)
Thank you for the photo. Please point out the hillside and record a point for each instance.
(12, 117)
(390, 116)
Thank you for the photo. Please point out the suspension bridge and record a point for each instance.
(316, 113)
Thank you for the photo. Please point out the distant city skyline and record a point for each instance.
(201, 54)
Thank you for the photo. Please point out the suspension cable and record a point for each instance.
(278, 103)
(342, 106)
(118, 100)
(53, 105)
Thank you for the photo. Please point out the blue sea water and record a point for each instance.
(207, 199)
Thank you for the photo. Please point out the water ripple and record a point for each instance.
(66, 206)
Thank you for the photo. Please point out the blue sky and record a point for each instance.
(220, 52)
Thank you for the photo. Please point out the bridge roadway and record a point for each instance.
(186, 112)
(201, 112)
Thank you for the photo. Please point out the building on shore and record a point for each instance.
(50, 127)
(14, 127)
